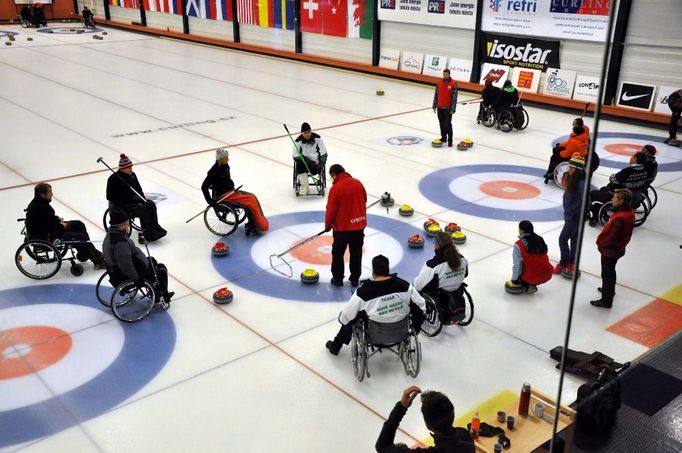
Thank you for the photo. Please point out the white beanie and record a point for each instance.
(221, 153)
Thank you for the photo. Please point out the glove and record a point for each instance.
(323, 159)
(327, 229)
(212, 203)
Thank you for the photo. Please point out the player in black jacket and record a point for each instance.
(633, 177)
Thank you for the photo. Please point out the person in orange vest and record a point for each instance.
(445, 105)
(531, 263)
(577, 142)
(611, 244)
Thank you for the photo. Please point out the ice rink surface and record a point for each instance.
(254, 375)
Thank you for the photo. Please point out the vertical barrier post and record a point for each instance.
(235, 21)
(143, 14)
(107, 13)
(376, 34)
(476, 64)
(185, 19)
(620, 30)
(298, 35)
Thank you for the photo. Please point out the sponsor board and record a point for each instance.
(586, 88)
(559, 82)
(442, 13)
(460, 68)
(412, 62)
(636, 95)
(389, 58)
(528, 53)
(661, 105)
(434, 65)
(526, 80)
(498, 73)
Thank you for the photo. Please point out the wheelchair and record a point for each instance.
(128, 302)
(26, 23)
(559, 172)
(370, 337)
(640, 207)
(135, 225)
(515, 117)
(650, 196)
(318, 181)
(224, 219)
(455, 313)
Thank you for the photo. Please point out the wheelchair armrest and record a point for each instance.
(21, 220)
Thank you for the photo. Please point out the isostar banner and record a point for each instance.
(527, 53)
(442, 13)
(585, 20)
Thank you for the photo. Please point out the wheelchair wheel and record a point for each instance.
(221, 223)
(526, 119)
(559, 172)
(432, 324)
(468, 310)
(76, 269)
(38, 259)
(651, 197)
(505, 121)
(358, 351)
(641, 212)
(133, 224)
(488, 118)
(131, 304)
(411, 354)
(604, 213)
(104, 290)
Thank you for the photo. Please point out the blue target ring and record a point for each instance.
(147, 347)
(68, 30)
(434, 186)
(654, 140)
(240, 268)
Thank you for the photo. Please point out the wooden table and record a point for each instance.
(531, 432)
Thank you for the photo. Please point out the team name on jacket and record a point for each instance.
(384, 301)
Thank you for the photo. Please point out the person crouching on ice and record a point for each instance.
(531, 263)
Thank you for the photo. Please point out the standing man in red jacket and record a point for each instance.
(445, 104)
(611, 243)
(347, 215)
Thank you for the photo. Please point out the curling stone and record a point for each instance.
(97, 37)
(436, 143)
(72, 29)
(28, 38)
(513, 288)
(80, 31)
(309, 276)
(469, 142)
(105, 33)
(430, 222)
(11, 37)
(380, 91)
(462, 146)
(220, 249)
(433, 230)
(405, 210)
(458, 237)
(8, 43)
(415, 242)
(50, 31)
(387, 201)
(452, 227)
(569, 275)
(222, 296)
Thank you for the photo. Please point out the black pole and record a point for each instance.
(185, 19)
(476, 57)
(298, 35)
(75, 7)
(107, 13)
(235, 22)
(617, 51)
(143, 14)
(376, 34)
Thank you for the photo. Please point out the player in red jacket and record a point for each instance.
(445, 104)
(347, 215)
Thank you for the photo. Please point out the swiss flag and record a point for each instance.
(334, 17)
(311, 16)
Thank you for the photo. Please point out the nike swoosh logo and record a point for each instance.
(625, 96)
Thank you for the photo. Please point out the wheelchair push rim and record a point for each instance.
(221, 223)
(130, 304)
(432, 324)
(38, 259)
(358, 353)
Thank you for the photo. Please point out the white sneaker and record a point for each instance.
(303, 182)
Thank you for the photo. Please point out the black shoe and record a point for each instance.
(600, 303)
(333, 347)
(169, 295)
(336, 282)
(450, 144)
(354, 283)
(248, 230)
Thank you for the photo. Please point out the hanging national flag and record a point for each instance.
(152, 5)
(311, 16)
(196, 8)
(334, 17)
(283, 16)
(124, 3)
(360, 18)
(265, 13)
(220, 9)
(247, 11)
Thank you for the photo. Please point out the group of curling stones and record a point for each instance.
(464, 145)
(432, 228)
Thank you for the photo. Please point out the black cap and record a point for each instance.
(305, 127)
(117, 216)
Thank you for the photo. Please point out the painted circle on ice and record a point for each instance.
(248, 265)
(504, 192)
(83, 361)
(68, 30)
(616, 148)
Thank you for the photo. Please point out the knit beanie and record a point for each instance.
(649, 151)
(221, 153)
(577, 161)
(125, 162)
(117, 216)
(305, 127)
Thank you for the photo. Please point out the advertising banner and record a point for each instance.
(636, 95)
(661, 105)
(390, 58)
(497, 73)
(585, 20)
(412, 62)
(443, 13)
(460, 69)
(528, 53)
(586, 88)
(527, 80)
(559, 82)
(434, 65)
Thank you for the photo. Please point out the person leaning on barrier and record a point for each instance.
(126, 261)
(43, 223)
(439, 415)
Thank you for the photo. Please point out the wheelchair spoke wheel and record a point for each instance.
(559, 172)
(133, 225)
(604, 213)
(38, 259)
(358, 353)
(104, 290)
(505, 121)
(468, 310)
(432, 324)
(412, 354)
(641, 213)
(651, 196)
(131, 304)
(488, 118)
(221, 221)
(526, 119)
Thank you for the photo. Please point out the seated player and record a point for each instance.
(633, 177)
(218, 183)
(650, 164)
(489, 96)
(578, 142)
(121, 188)
(26, 14)
(39, 15)
(386, 298)
(42, 223)
(508, 97)
(442, 276)
(88, 18)
(126, 261)
(531, 263)
(310, 155)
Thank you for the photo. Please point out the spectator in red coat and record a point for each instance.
(346, 214)
(611, 243)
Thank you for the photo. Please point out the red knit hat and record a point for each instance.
(125, 162)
